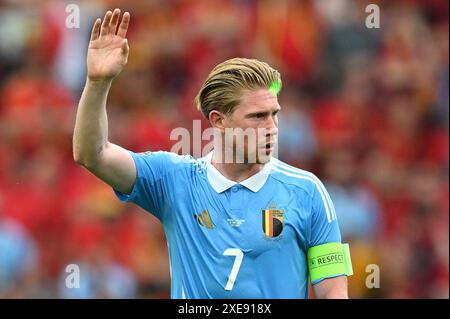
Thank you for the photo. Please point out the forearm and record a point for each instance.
(91, 125)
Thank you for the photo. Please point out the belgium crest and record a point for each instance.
(272, 222)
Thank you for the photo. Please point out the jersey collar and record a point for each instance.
(220, 183)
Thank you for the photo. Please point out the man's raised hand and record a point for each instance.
(108, 48)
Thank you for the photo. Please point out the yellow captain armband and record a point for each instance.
(329, 260)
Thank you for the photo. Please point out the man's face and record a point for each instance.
(255, 125)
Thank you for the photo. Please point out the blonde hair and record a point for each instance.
(222, 89)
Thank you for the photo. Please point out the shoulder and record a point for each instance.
(296, 177)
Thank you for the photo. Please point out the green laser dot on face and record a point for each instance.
(275, 87)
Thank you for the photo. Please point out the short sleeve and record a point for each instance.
(149, 190)
(324, 225)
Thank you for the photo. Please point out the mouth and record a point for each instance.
(268, 147)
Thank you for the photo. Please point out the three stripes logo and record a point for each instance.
(294, 172)
(272, 222)
(204, 219)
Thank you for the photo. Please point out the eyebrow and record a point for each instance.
(263, 112)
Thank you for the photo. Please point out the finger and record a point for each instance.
(95, 29)
(125, 47)
(114, 21)
(122, 32)
(105, 24)
(125, 50)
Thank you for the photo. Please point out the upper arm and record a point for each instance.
(324, 227)
(331, 288)
(116, 168)
(154, 180)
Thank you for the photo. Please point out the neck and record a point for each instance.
(236, 172)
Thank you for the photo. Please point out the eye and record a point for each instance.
(275, 113)
(260, 115)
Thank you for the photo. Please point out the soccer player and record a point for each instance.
(255, 229)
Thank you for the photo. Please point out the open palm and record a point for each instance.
(108, 49)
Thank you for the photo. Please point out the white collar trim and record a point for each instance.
(220, 183)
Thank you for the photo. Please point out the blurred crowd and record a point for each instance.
(365, 109)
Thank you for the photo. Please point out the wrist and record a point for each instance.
(100, 83)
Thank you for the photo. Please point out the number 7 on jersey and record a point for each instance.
(237, 264)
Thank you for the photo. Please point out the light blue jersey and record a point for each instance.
(235, 240)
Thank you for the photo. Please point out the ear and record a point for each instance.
(217, 120)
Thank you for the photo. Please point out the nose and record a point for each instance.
(272, 126)
(271, 129)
